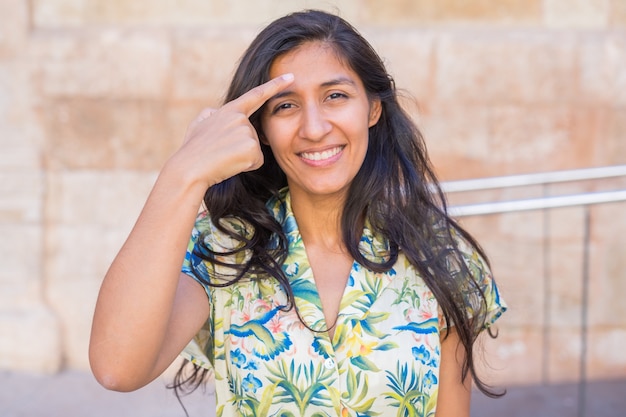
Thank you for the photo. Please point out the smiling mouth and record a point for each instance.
(321, 156)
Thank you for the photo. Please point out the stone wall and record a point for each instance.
(94, 95)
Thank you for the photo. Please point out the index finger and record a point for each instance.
(251, 101)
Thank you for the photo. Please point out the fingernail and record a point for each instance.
(287, 77)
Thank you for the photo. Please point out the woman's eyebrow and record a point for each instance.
(280, 95)
(325, 84)
(339, 81)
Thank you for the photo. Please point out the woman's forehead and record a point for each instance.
(315, 57)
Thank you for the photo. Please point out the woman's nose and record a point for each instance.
(314, 124)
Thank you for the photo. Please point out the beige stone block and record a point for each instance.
(518, 269)
(602, 62)
(102, 134)
(77, 254)
(351, 10)
(565, 284)
(507, 67)
(108, 63)
(74, 301)
(579, 14)
(514, 357)
(14, 26)
(110, 200)
(78, 259)
(21, 195)
(76, 13)
(564, 353)
(20, 139)
(606, 359)
(457, 139)
(261, 12)
(17, 155)
(84, 235)
(615, 146)
(409, 58)
(21, 252)
(512, 12)
(591, 125)
(204, 62)
(526, 226)
(617, 16)
(30, 340)
(515, 139)
(50, 14)
(566, 226)
(528, 136)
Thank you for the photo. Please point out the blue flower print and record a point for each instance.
(434, 362)
(252, 365)
(291, 270)
(320, 348)
(421, 354)
(198, 267)
(251, 384)
(429, 379)
(237, 358)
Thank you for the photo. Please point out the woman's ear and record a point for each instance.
(376, 108)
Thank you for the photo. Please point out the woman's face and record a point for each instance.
(318, 127)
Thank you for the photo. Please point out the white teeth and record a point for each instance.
(320, 156)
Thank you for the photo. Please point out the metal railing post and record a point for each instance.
(584, 313)
(547, 294)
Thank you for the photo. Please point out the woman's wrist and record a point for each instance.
(179, 178)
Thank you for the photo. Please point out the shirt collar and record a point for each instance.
(373, 246)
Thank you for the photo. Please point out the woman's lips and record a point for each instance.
(321, 156)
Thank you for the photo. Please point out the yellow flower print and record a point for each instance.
(356, 346)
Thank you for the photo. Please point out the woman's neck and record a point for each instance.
(319, 220)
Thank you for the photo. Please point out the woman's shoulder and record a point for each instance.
(487, 299)
(219, 237)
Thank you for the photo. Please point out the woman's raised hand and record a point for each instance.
(221, 143)
(135, 338)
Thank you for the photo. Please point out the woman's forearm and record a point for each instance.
(137, 295)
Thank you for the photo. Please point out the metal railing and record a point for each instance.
(546, 203)
(536, 179)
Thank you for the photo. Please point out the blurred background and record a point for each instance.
(95, 95)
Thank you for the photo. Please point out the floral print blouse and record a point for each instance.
(382, 360)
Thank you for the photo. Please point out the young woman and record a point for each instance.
(325, 276)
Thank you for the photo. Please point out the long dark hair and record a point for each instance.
(395, 190)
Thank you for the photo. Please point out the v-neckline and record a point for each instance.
(319, 323)
(298, 269)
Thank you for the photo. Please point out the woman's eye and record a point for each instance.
(283, 106)
(334, 96)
